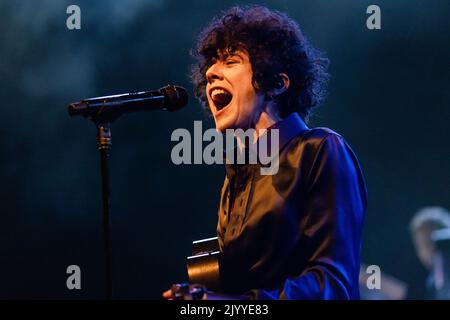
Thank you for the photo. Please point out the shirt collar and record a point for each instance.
(288, 128)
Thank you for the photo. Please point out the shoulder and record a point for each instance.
(320, 133)
(318, 138)
(318, 146)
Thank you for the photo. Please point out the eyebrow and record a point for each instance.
(235, 55)
(227, 55)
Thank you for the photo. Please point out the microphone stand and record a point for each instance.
(102, 121)
(167, 98)
(104, 144)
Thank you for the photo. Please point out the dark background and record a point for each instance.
(389, 97)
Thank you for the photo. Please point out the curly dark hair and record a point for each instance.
(275, 45)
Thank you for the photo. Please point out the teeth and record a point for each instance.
(218, 91)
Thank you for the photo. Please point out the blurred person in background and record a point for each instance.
(429, 230)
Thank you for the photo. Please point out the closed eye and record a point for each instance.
(230, 62)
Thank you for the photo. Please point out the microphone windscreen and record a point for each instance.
(176, 97)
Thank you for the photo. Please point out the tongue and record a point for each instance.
(221, 100)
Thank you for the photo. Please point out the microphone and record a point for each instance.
(168, 98)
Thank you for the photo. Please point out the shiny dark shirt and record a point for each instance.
(295, 234)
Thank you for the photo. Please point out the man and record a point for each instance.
(295, 234)
(432, 249)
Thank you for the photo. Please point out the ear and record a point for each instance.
(281, 85)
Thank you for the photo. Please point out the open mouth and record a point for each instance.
(221, 98)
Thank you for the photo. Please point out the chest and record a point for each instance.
(253, 205)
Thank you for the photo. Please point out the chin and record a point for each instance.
(220, 126)
(223, 124)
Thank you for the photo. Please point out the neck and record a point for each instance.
(265, 119)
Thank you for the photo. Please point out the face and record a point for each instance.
(424, 246)
(232, 98)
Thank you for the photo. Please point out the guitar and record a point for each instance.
(203, 268)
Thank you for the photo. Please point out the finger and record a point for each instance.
(167, 294)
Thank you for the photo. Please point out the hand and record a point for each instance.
(186, 291)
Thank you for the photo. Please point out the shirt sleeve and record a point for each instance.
(335, 201)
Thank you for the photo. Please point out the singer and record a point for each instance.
(295, 234)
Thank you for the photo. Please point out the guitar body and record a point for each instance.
(203, 266)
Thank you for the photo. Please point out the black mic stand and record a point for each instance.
(173, 98)
(104, 146)
(102, 121)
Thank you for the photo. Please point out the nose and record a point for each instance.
(213, 73)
